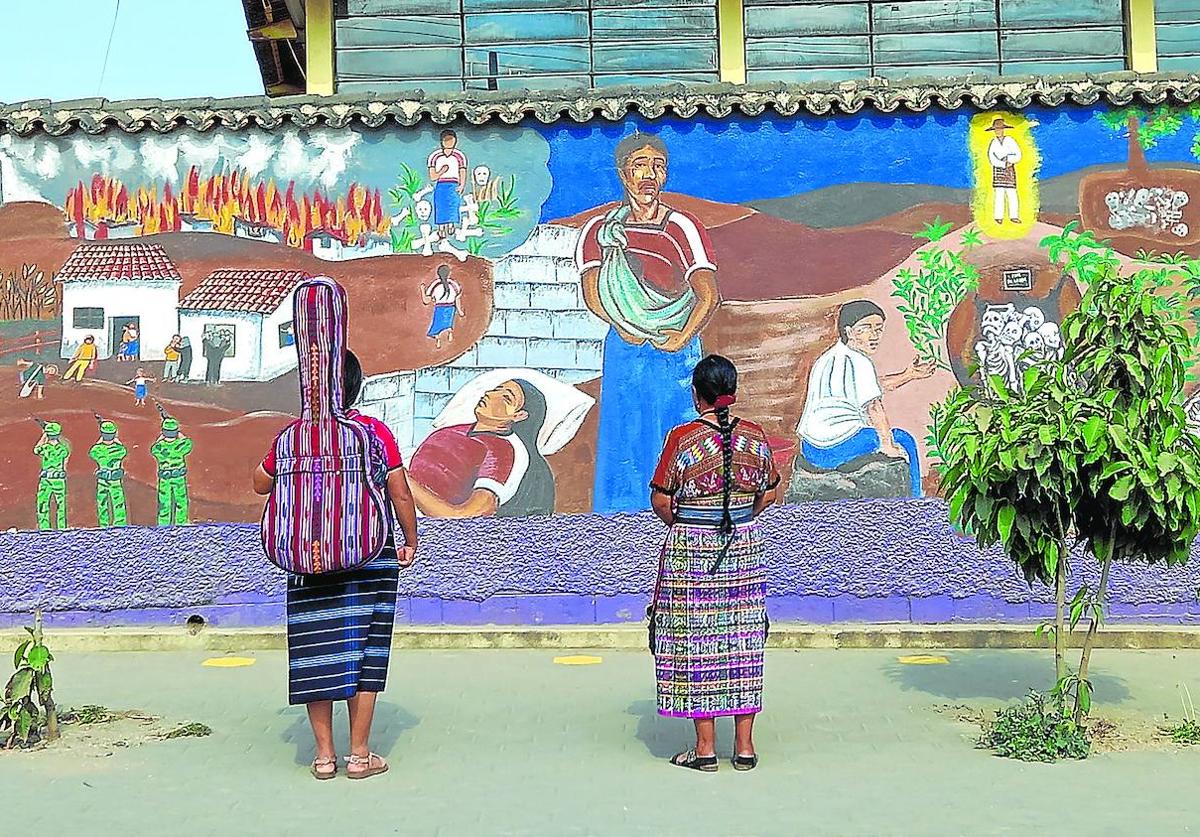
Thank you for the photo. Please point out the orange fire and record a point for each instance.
(225, 198)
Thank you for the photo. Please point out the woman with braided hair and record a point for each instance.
(708, 618)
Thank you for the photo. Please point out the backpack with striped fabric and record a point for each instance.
(328, 511)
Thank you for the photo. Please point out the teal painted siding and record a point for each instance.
(822, 40)
(515, 44)
(1178, 35)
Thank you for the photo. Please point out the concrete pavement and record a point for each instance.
(511, 743)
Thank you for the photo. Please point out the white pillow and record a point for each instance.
(566, 407)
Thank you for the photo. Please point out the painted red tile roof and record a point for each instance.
(118, 261)
(253, 291)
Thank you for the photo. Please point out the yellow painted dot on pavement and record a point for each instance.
(924, 660)
(229, 662)
(578, 660)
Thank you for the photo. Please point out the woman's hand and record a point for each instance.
(406, 555)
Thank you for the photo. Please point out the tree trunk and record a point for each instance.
(1137, 155)
(1085, 657)
(51, 718)
(1060, 604)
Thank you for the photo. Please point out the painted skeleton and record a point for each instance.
(1012, 341)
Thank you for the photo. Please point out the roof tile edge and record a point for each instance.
(95, 116)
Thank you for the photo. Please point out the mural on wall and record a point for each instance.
(528, 303)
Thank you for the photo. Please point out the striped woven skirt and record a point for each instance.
(710, 629)
(340, 631)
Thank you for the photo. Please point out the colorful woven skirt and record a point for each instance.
(710, 629)
(340, 631)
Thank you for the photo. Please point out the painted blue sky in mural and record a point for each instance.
(778, 157)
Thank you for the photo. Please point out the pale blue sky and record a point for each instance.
(165, 49)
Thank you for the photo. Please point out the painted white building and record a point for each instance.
(106, 286)
(253, 309)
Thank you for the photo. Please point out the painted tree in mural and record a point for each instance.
(27, 295)
(1093, 454)
(929, 294)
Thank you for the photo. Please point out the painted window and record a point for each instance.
(88, 318)
(1177, 33)
(807, 40)
(448, 45)
(287, 335)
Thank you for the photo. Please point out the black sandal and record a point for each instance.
(745, 762)
(689, 759)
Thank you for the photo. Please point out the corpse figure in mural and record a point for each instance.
(54, 451)
(448, 173)
(109, 455)
(83, 361)
(648, 271)
(1004, 153)
(171, 451)
(492, 467)
(216, 345)
(844, 419)
(445, 296)
(32, 376)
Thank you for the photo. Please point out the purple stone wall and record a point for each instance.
(867, 561)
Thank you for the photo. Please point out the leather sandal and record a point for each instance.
(745, 762)
(321, 774)
(373, 765)
(692, 761)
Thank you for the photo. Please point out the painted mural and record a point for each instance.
(528, 302)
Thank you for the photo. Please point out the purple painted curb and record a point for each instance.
(866, 561)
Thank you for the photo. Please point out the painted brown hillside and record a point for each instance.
(219, 473)
(387, 320)
(710, 213)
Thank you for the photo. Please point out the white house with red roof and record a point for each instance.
(108, 286)
(252, 309)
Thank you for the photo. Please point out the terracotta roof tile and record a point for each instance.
(252, 291)
(119, 261)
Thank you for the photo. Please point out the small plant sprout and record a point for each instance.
(28, 696)
(1186, 731)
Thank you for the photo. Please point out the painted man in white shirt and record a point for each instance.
(844, 418)
(1004, 154)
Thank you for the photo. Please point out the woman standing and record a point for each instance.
(340, 626)
(709, 615)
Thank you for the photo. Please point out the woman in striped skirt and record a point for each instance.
(709, 615)
(340, 626)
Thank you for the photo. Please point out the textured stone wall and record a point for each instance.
(872, 560)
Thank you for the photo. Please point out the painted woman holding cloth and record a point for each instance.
(648, 271)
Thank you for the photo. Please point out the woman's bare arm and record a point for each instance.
(402, 501)
(263, 482)
(663, 507)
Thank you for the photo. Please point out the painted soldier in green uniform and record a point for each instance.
(54, 451)
(170, 452)
(109, 454)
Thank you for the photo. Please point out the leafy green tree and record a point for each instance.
(1094, 453)
(19, 713)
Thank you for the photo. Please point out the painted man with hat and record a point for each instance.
(109, 454)
(170, 451)
(1004, 154)
(54, 451)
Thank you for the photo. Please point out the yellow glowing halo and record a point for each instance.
(982, 198)
(924, 660)
(229, 662)
(578, 660)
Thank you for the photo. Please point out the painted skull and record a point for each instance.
(482, 176)
(424, 210)
(1034, 318)
(1051, 338)
(1034, 344)
(1010, 335)
(994, 318)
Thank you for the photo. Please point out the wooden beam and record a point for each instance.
(731, 29)
(280, 30)
(1141, 47)
(318, 47)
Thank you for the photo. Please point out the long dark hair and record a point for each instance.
(713, 377)
(352, 379)
(443, 278)
(536, 494)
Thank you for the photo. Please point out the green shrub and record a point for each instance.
(1040, 729)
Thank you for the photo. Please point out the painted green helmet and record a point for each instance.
(108, 428)
(170, 424)
(53, 428)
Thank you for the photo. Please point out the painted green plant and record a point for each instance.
(929, 294)
(495, 219)
(1093, 455)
